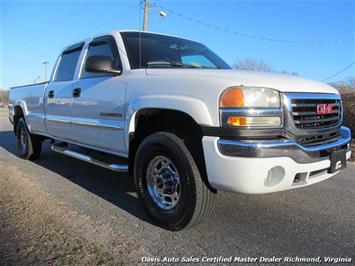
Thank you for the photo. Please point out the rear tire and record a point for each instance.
(169, 184)
(28, 146)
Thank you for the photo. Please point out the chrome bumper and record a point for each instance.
(284, 148)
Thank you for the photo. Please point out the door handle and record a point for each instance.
(51, 94)
(76, 92)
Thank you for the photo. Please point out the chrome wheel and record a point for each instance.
(163, 182)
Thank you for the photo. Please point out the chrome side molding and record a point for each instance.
(84, 124)
(122, 168)
(58, 121)
(94, 125)
(111, 114)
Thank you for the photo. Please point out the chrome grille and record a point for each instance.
(319, 139)
(305, 115)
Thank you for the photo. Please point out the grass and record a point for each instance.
(36, 228)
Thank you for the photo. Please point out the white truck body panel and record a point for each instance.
(103, 117)
(30, 99)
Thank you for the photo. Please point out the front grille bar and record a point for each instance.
(305, 115)
(309, 127)
(319, 120)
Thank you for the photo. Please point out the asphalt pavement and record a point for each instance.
(318, 220)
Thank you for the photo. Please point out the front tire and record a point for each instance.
(169, 184)
(28, 146)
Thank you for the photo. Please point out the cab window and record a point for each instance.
(68, 62)
(103, 46)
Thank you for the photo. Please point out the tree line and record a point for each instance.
(251, 64)
(4, 97)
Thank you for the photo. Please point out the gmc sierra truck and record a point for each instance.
(182, 122)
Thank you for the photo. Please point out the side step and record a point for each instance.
(63, 149)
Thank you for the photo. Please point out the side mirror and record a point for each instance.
(100, 64)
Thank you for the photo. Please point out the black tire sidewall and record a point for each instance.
(162, 144)
(27, 152)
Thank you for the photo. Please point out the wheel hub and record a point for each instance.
(163, 182)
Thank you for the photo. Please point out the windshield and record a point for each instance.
(160, 51)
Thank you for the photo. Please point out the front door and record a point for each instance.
(98, 118)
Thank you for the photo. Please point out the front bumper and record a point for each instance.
(245, 166)
(285, 147)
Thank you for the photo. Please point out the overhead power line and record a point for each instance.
(340, 71)
(58, 24)
(91, 32)
(115, 18)
(250, 36)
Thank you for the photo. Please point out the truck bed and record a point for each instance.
(32, 95)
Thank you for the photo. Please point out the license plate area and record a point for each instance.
(337, 161)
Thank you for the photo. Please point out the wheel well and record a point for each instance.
(150, 120)
(18, 113)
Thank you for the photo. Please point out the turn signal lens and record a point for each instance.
(256, 121)
(237, 121)
(232, 97)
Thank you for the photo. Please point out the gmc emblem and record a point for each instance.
(323, 109)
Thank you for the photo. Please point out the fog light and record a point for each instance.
(274, 176)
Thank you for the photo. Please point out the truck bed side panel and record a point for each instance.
(30, 99)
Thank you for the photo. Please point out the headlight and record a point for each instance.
(251, 107)
(250, 97)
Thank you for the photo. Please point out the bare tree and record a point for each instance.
(252, 64)
(4, 97)
(347, 90)
(344, 85)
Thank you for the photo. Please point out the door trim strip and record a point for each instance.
(95, 125)
(84, 124)
(57, 121)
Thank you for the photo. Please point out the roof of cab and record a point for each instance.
(115, 32)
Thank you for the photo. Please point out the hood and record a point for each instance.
(280, 82)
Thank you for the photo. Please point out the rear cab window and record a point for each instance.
(68, 62)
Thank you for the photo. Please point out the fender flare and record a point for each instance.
(22, 104)
(193, 107)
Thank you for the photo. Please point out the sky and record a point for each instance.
(311, 37)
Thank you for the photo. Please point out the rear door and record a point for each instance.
(59, 94)
(98, 117)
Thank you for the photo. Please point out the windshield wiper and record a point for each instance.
(156, 64)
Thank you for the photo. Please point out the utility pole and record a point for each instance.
(146, 14)
(45, 63)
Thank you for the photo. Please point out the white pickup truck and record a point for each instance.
(176, 116)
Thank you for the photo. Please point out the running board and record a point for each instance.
(114, 167)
